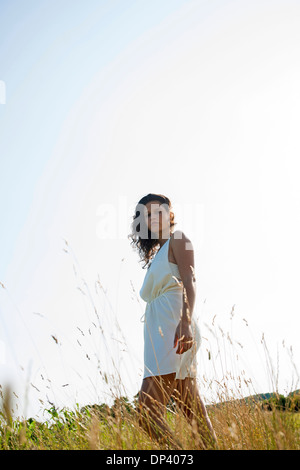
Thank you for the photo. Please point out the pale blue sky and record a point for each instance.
(107, 101)
(49, 52)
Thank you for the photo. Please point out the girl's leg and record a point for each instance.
(188, 398)
(153, 399)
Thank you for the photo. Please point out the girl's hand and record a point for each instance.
(183, 337)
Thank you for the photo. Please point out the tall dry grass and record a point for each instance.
(239, 423)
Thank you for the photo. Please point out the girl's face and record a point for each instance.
(158, 218)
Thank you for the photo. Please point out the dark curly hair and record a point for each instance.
(147, 246)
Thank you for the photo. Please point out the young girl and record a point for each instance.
(171, 335)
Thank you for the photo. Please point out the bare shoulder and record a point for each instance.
(181, 240)
(183, 252)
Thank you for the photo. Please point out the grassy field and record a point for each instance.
(239, 425)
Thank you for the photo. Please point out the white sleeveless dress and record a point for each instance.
(162, 289)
